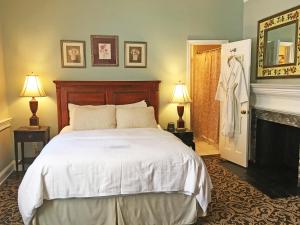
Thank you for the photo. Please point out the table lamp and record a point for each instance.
(32, 88)
(180, 96)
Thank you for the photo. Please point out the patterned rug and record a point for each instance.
(233, 201)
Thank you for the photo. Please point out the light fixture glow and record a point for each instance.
(180, 94)
(32, 87)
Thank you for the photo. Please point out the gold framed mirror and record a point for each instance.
(278, 45)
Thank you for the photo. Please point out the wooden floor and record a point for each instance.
(204, 148)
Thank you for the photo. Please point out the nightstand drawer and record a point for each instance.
(28, 134)
(32, 136)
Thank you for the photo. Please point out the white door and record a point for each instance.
(235, 149)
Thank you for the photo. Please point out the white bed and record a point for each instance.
(114, 175)
(82, 164)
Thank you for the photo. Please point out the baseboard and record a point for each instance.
(4, 174)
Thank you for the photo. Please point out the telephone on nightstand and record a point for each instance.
(171, 127)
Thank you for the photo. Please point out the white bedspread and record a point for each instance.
(112, 162)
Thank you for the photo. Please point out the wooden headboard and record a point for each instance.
(102, 93)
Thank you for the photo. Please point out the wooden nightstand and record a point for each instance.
(186, 137)
(25, 134)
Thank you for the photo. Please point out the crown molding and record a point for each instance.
(5, 123)
(282, 90)
(282, 98)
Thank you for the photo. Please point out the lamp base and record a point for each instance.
(34, 121)
(180, 129)
(180, 121)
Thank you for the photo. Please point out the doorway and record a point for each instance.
(203, 75)
(234, 61)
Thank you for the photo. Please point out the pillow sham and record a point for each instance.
(133, 105)
(72, 107)
(66, 129)
(91, 118)
(142, 117)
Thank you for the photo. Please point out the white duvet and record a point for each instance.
(112, 162)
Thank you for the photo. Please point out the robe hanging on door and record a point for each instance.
(231, 91)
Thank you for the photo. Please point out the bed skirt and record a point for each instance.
(141, 209)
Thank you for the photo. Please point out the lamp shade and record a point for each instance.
(32, 87)
(180, 94)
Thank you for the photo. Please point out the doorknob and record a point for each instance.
(243, 111)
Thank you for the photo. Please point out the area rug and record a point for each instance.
(233, 201)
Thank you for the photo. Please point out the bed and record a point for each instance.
(129, 176)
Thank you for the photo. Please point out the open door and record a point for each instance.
(235, 148)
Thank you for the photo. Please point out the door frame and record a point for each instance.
(189, 44)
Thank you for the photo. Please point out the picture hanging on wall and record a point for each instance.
(135, 54)
(278, 45)
(105, 50)
(72, 54)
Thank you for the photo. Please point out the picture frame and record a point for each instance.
(135, 54)
(72, 54)
(278, 45)
(105, 50)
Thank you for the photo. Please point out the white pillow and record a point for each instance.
(91, 118)
(72, 107)
(142, 117)
(66, 129)
(133, 105)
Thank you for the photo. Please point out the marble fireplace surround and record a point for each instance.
(275, 103)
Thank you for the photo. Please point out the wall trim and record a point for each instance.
(284, 90)
(4, 174)
(5, 123)
(283, 98)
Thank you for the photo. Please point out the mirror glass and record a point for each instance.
(280, 45)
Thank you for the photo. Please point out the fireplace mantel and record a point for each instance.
(275, 116)
(281, 98)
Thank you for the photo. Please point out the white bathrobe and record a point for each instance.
(232, 90)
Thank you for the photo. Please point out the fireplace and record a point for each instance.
(275, 146)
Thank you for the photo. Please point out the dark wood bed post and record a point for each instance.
(104, 92)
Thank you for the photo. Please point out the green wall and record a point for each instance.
(6, 151)
(3, 102)
(33, 30)
(255, 10)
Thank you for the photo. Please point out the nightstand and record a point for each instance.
(186, 137)
(27, 134)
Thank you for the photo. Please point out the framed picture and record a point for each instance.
(135, 54)
(72, 54)
(278, 45)
(105, 50)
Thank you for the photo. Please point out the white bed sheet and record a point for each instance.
(110, 162)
